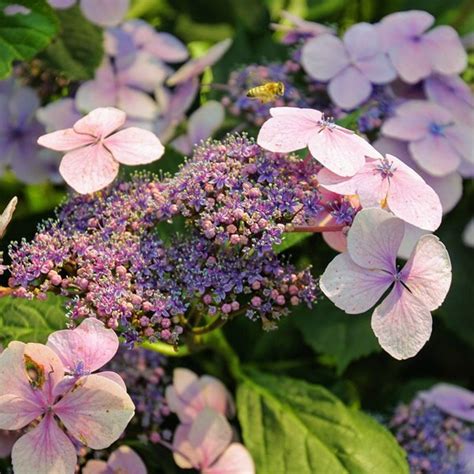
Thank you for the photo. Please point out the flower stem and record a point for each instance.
(315, 228)
(166, 349)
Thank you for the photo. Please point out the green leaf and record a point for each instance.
(22, 36)
(293, 427)
(291, 239)
(330, 331)
(30, 321)
(78, 50)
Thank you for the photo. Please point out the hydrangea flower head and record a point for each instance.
(95, 151)
(351, 65)
(123, 460)
(338, 149)
(387, 182)
(94, 411)
(415, 53)
(436, 142)
(190, 394)
(435, 441)
(206, 445)
(356, 280)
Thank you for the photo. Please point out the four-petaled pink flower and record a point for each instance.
(123, 460)
(351, 65)
(94, 411)
(416, 54)
(94, 151)
(190, 394)
(387, 182)
(436, 142)
(206, 445)
(292, 128)
(356, 280)
(453, 400)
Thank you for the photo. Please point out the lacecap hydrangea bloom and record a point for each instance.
(436, 430)
(103, 252)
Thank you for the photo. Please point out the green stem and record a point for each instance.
(217, 341)
(166, 349)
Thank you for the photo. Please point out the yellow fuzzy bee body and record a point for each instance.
(267, 92)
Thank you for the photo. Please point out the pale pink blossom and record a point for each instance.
(201, 125)
(453, 400)
(338, 149)
(196, 66)
(95, 411)
(357, 279)
(190, 394)
(387, 182)
(95, 151)
(416, 53)
(350, 65)
(436, 143)
(7, 215)
(206, 445)
(123, 460)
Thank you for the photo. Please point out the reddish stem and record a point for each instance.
(316, 228)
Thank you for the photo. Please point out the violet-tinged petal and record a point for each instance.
(23, 105)
(134, 146)
(88, 347)
(402, 323)
(105, 12)
(126, 460)
(136, 104)
(445, 49)
(88, 169)
(96, 93)
(461, 139)
(452, 93)
(167, 47)
(427, 273)
(453, 400)
(411, 61)
(377, 69)
(374, 239)
(114, 377)
(400, 26)
(361, 41)
(205, 121)
(44, 450)
(349, 88)
(58, 114)
(184, 454)
(324, 57)
(17, 412)
(351, 287)
(410, 239)
(196, 66)
(96, 412)
(435, 155)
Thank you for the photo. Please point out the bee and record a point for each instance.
(267, 92)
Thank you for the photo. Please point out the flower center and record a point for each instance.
(80, 370)
(326, 122)
(342, 212)
(416, 38)
(385, 168)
